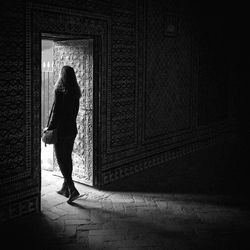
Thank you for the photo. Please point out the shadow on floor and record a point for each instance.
(30, 232)
(196, 174)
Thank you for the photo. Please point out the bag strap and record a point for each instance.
(52, 108)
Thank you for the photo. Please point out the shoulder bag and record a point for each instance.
(50, 136)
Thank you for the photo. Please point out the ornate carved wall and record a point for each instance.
(79, 55)
(122, 116)
(168, 80)
(20, 183)
(16, 170)
(161, 105)
(148, 71)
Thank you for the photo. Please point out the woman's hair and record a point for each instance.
(67, 82)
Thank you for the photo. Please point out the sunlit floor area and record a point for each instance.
(142, 212)
(133, 220)
(46, 157)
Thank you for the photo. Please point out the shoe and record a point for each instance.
(64, 190)
(73, 196)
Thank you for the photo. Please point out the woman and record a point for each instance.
(66, 106)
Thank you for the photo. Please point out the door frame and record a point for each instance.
(45, 19)
(96, 120)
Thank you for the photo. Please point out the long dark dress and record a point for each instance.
(64, 114)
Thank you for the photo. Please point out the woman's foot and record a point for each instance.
(64, 190)
(74, 194)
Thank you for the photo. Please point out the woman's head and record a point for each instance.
(67, 75)
(67, 80)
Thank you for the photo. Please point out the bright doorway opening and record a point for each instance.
(47, 86)
(56, 52)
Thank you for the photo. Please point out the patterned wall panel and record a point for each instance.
(168, 92)
(17, 180)
(12, 96)
(79, 55)
(94, 6)
(160, 159)
(123, 89)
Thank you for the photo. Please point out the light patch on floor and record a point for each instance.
(46, 156)
(137, 220)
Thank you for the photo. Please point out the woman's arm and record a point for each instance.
(57, 112)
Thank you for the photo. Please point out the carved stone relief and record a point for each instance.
(123, 89)
(168, 92)
(79, 55)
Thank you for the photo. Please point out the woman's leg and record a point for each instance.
(73, 192)
(69, 144)
(63, 150)
(60, 156)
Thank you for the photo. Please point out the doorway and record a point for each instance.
(57, 51)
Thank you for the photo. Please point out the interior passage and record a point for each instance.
(125, 217)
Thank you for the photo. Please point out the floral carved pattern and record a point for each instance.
(78, 54)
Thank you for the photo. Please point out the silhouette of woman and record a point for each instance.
(66, 105)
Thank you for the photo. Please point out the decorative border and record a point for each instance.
(19, 208)
(120, 149)
(112, 154)
(28, 166)
(161, 158)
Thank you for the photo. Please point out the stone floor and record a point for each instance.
(118, 219)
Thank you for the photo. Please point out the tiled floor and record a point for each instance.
(132, 220)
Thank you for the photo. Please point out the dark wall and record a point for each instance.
(172, 89)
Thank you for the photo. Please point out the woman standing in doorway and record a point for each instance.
(66, 105)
